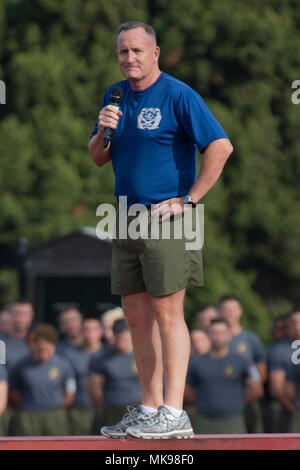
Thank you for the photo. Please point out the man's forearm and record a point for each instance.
(189, 395)
(253, 394)
(213, 161)
(285, 401)
(69, 399)
(3, 396)
(99, 155)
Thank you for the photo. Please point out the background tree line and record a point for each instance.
(57, 60)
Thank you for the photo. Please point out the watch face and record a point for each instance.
(186, 199)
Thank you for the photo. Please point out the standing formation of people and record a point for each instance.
(234, 384)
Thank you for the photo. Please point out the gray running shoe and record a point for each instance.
(163, 425)
(133, 417)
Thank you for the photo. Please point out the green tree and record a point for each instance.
(57, 60)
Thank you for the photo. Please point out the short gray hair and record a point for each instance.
(137, 24)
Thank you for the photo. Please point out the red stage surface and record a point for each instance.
(199, 442)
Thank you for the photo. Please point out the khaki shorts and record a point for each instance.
(159, 266)
(228, 425)
(41, 423)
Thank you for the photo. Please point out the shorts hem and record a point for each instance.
(173, 291)
(161, 293)
(130, 291)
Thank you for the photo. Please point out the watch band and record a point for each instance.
(188, 200)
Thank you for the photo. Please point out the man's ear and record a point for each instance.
(156, 53)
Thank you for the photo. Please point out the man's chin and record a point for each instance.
(132, 76)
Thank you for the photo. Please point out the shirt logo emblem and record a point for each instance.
(241, 348)
(53, 373)
(149, 118)
(229, 371)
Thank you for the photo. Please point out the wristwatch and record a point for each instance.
(188, 200)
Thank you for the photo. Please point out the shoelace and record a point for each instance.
(158, 417)
(133, 413)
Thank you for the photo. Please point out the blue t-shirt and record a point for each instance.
(42, 384)
(247, 343)
(98, 357)
(81, 361)
(280, 358)
(3, 373)
(64, 345)
(15, 350)
(122, 384)
(153, 149)
(219, 383)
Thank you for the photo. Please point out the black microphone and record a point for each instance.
(115, 100)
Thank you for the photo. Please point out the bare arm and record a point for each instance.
(262, 369)
(99, 155)
(278, 390)
(15, 398)
(69, 389)
(108, 117)
(69, 399)
(213, 161)
(189, 395)
(3, 395)
(290, 391)
(95, 387)
(254, 390)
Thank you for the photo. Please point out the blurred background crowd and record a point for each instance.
(73, 379)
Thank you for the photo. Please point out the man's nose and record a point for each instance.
(130, 57)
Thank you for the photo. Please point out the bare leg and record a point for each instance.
(176, 345)
(146, 346)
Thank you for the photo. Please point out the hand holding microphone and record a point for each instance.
(109, 116)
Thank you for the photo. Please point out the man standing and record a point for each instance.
(118, 377)
(205, 315)
(292, 379)
(153, 152)
(223, 382)
(6, 322)
(3, 398)
(22, 315)
(82, 413)
(280, 363)
(70, 323)
(246, 343)
(42, 387)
